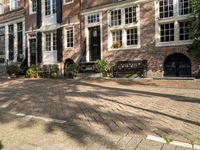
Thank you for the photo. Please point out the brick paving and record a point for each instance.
(98, 114)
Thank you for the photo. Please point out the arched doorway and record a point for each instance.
(177, 65)
(68, 62)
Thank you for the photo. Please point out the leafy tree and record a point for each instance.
(194, 49)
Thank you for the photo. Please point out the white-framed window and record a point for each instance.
(32, 6)
(93, 18)
(184, 7)
(51, 41)
(68, 1)
(124, 28)
(166, 8)
(172, 25)
(132, 37)
(1, 7)
(69, 37)
(116, 17)
(14, 4)
(50, 7)
(184, 30)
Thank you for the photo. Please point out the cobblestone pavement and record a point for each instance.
(98, 114)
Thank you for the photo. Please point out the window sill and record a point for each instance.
(32, 13)
(178, 43)
(68, 3)
(125, 48)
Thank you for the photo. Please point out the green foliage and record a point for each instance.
(102, 66)
(32, 72)
(194, 49)
(54, 69)
(73, 70)
(13, 70)
(169, 139)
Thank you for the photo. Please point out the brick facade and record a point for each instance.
(74, 15)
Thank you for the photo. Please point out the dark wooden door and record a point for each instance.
(33, 54)
(177, 65)
(94, 43)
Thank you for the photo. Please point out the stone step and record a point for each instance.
(89, 76)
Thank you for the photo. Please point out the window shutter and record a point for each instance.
(59, 11)
(39, 47)
(59, 45)
(39, 13)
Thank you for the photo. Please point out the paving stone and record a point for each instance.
(168, 147)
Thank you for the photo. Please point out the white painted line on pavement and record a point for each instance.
(177, 143)
(39, 118)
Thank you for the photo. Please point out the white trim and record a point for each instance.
(67, 3)
(124, 27)
(175, 19)
(2, 11)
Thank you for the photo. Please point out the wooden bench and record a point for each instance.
(138, 67)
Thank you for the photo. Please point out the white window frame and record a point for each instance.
(16, 6)
(66, 3)
(65, 38)
(51, 8)
(124, 27)
(2, 7)
(31, 8)
(175, 19)
(51, 41)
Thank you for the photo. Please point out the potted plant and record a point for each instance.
(116, 44)
(73, 70)
(32, 72)
(13, 70)
(54, 71)
(102, 66)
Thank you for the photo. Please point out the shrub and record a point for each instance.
(54, 69)
(73, 70)
(102, 66)
(13, 70)
(32, 72)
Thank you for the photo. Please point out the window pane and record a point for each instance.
(70, 37)
(167, 32)
(184, 7)
(166, 8)
(130, 15)
(132, 38)
(115, 17)
(184, 30)
(117, 37)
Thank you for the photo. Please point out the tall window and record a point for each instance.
(124, 27)
(20, 41)
(70, 37)
(51, 41)
(116, 17)
(1, 7)
(32, 6)
(50, 7)
(2, 44)
(172, 26)
(11, 42)
(14, 4)
(184, 7)
(166, 8)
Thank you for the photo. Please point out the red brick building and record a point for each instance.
(82, 31)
